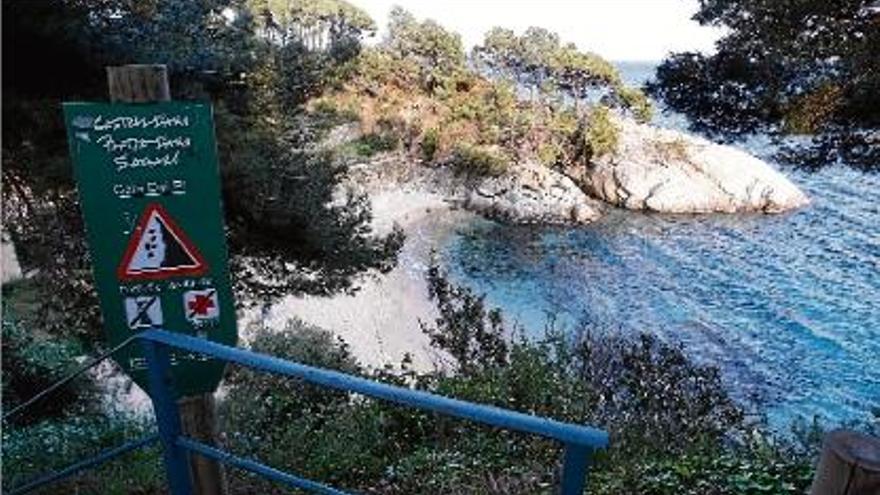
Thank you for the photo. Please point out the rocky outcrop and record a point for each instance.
(652, 169)
(531, 193)
(668, 171)
(526, 193)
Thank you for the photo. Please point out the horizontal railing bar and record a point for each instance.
(91, 462)
(256, 467)
(563, 432)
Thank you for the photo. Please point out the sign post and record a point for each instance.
(149, 186)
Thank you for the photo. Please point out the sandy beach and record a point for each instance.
(381, 320)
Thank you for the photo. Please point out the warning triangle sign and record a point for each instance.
(159, 249)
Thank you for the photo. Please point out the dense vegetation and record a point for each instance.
(515, 98)
(674, 429)
(285, 234)
(802, 67)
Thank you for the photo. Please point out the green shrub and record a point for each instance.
(754, 468)
(549, 154)
(637, 102)
(673, 427)
(295, 426)
(52, 444)
(370, 145)
(602, 134)
(34, 360)
(325, 115)
(270, 400)
(429, 145)
(479, 161)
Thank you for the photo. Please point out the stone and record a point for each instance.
(668, 171)
(530, 193)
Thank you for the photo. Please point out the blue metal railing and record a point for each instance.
(579, 441)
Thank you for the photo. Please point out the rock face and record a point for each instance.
(653, 169)
(526, 193)
(668, 171)
(531, 193)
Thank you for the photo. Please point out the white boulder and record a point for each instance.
(669, 171)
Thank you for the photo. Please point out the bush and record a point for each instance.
(673, 427)
(53, 444)
(291, 425)
(479, 161)
(637, 102)
(550, 154)
(430, 143)
(270, 400)
(371, 144)
(34, 360)
(602, 134)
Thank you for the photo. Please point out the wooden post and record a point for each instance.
(138, 83)
(849, 465)
(198, 418)
(198, 414)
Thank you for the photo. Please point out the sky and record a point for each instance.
(620, 30)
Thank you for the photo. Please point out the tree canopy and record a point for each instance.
(286, 232)
(796, 67)
(539, 60)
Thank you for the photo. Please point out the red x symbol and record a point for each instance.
(200, 304)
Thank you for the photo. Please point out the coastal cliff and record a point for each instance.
(651, 169)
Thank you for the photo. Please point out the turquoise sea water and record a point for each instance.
(788, 306)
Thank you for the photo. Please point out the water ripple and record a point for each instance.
(787, 306)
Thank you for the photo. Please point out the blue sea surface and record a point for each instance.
(788, 306)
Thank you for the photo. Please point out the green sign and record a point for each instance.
(150, 194)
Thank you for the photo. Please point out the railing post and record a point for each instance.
(167, 417)
(574, 469)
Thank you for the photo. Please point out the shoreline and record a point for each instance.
(380, 321)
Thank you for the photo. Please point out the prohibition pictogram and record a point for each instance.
(143, 312)
(201, 305)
